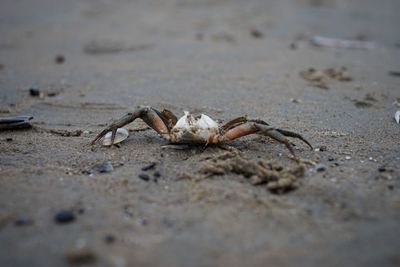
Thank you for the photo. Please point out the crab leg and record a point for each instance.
(294, 135)
(148, 114)
(263, 128)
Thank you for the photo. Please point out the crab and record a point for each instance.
(201, 129)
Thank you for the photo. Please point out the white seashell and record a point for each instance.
(397, 116)
(120, 136)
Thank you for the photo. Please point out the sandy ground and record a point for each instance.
(222, 58)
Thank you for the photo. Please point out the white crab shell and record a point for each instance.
(195, 129)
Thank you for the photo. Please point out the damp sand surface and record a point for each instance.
(75, 66)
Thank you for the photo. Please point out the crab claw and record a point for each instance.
(147, 114)
(113, 127)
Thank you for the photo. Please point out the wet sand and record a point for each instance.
(94, 61)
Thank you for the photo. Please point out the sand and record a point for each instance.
(94, 61)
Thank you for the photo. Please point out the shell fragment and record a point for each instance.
(120, 136)
(397, 116)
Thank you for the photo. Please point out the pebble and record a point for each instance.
(144, 177)
(149, 166)
(347, 157)
(320, 168)
(86, 172)
(109, 239)
(52, 94)
(80, 256)
(157, 175)
(59, 59)
(23, 222)
(293, 46)
(331, 159)
(34, 92)
(81, 211)
(143, 222)
(9, 139)
(64, 216)
(255, 33)
(105, 167)
(382, 169)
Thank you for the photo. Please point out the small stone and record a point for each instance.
(320, 168)
(23, 222)
(34, 92)
(390, 187)
(149, 166)
(382, 169)
(293, 46)
(80, 256)
(52, 94)
(143, 222)
(256, 33)
(64, 216)
(144, 177)
(81, 211)
(109, 239)
(105, 167)
(331, 158)
(9, 139)
(59, 59)
(157, 175)
(86, 172)
(347, 157)
(322, 148)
